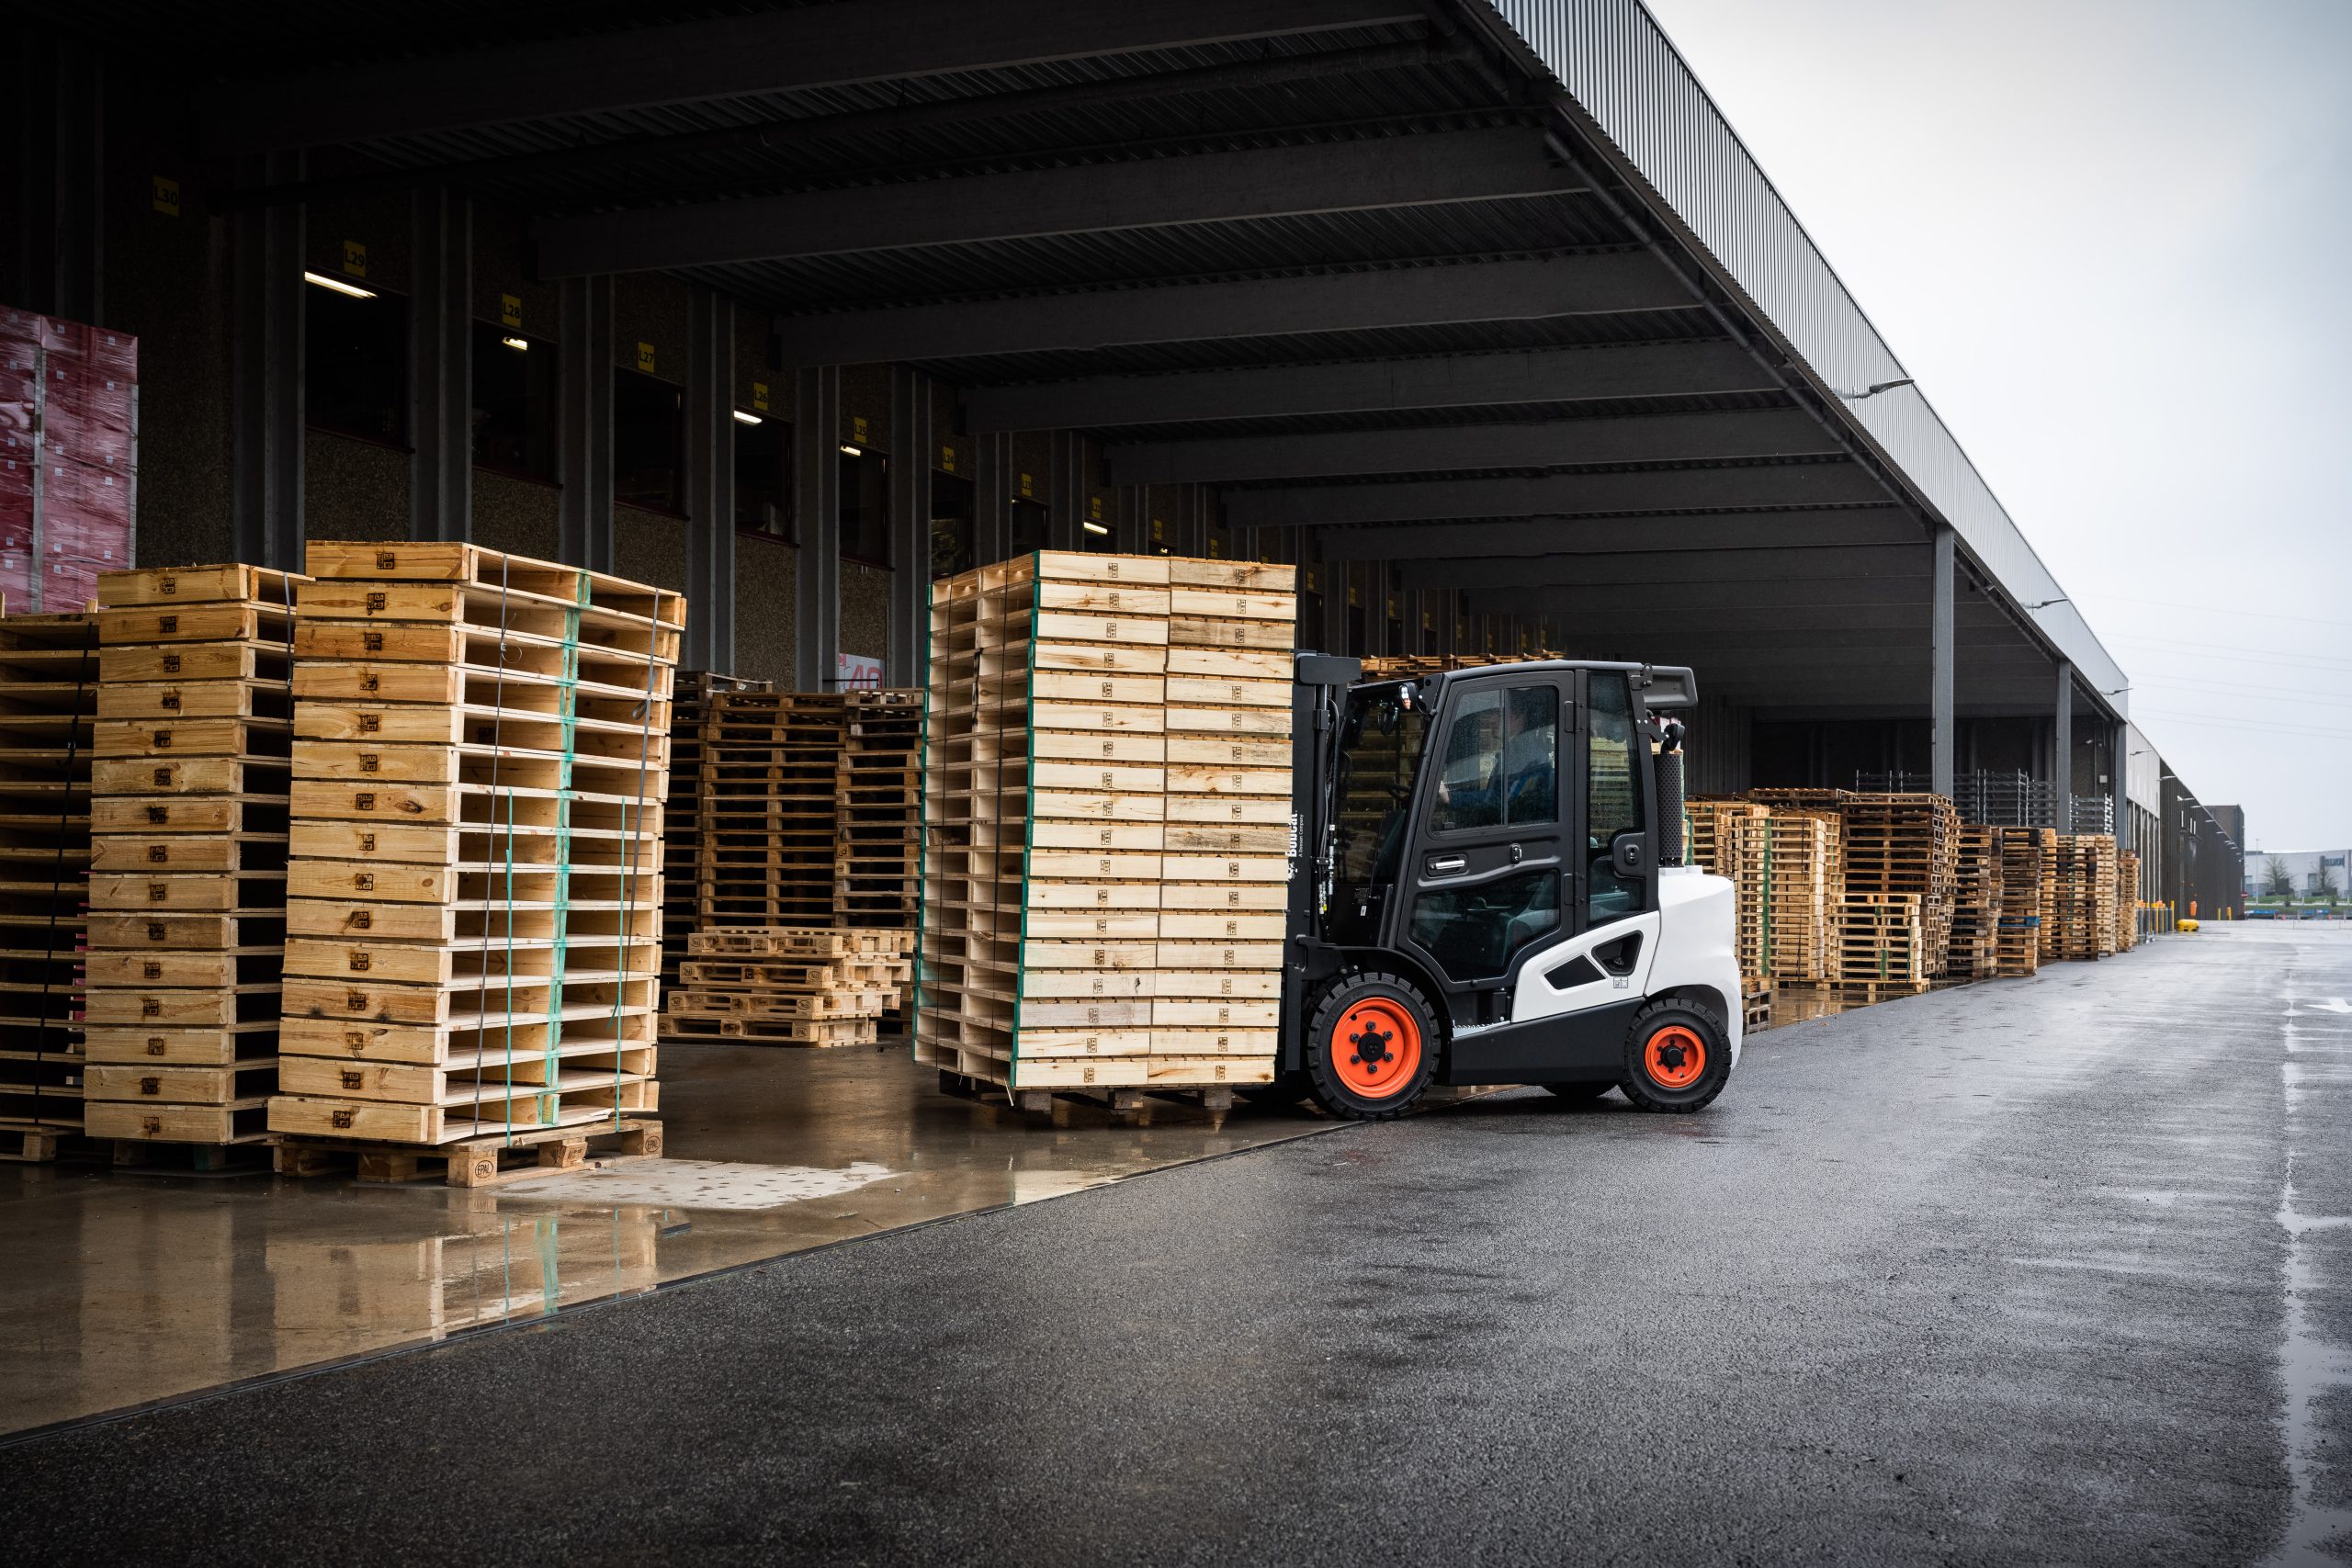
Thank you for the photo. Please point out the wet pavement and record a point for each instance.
(127, 1287)
(2052, 1271)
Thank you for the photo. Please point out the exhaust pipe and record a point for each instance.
(1670, 794)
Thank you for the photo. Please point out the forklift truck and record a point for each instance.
(1487, 887)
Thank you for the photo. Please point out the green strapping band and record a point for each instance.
(1028, 805)
(568, 697)
(629, 847)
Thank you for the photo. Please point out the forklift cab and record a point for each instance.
(1489, 840)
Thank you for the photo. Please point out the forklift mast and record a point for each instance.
(1453, 827)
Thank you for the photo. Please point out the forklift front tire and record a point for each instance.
(1371, 1046)
(1677, 1055)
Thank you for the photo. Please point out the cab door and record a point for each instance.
(1490, 875)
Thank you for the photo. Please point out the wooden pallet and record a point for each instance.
(682, 823)
(788, 986)
(1108, 784)
(473, 1162)
(473, 918)
(1882, 940)
(2018, 940)
(1972, 951)
(189, 808)
(49, 677)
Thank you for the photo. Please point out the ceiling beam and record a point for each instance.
(1548, 444)
(1537, 537)
(1905, 563)
(1521, 289)
(1468, 380)
(1556, 495)
(781, 50)
(1430, 169)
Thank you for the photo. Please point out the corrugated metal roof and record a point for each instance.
(1390, 342)
(1409, 419)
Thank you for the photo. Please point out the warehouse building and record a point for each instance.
(1474, 310)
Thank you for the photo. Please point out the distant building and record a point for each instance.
(2306, 870)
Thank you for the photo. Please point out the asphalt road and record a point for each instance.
(2042, 1271)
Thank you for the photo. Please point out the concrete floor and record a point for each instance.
(2049, 1270)
(129, 1287)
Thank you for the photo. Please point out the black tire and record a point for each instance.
(1376, 1067)
(1656, 1078)
(1579, 1093)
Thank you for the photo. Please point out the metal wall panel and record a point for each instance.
(1613, 58)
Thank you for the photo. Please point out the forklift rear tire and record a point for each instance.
(1677, 1055)
(1371, 1046)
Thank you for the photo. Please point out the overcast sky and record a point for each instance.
(2113, 240)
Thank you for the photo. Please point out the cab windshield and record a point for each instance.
(1380, 753)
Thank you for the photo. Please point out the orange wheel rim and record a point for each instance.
(1674, 1057)
(1376, 1047)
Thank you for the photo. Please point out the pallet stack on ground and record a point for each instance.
(475, 896)
(1412, 666)
(788, 985)
(1808, 880)
(187, 885)
(1905, 844)
(2016, 949)
(1732, 839)
(2047, 937)
(1068, 891)
(2084, 880)
(2127, 900)
(49, 704)
(1973, 951)
(767, 813)
(1881, 946)
(682, 818)
(877, 805)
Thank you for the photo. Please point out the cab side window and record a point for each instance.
(1500, 765)
(1613, 797)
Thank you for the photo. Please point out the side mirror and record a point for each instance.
(1629, 855)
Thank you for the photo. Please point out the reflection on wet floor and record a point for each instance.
(126, 1286)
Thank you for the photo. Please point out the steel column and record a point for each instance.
(583, 447)
(817, 503)
(265, 377)
(440, 365)
(2062, 757)
(912, 445)
(709, 642)
(991, 498)
(1942, 748)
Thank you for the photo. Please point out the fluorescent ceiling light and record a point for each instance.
(1095, 528)
(850, 451)
(742, 418)
(519, 344)
(339, 285)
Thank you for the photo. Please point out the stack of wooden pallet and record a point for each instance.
(682, 818)
(2127, 900)
(188, 888)
(2084, 881)
(1411, 666)
(2016, 949)
(767, 815)
(1881, 945)
(49, 704)
(786, 986)
(1973, 951)
(1732, 839)
(1807, 879)
(877, 805)
(474, 918)
(1905, 844)
(1076, 876)
(1217, 989)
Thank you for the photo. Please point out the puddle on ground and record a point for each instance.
(693, 1184)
